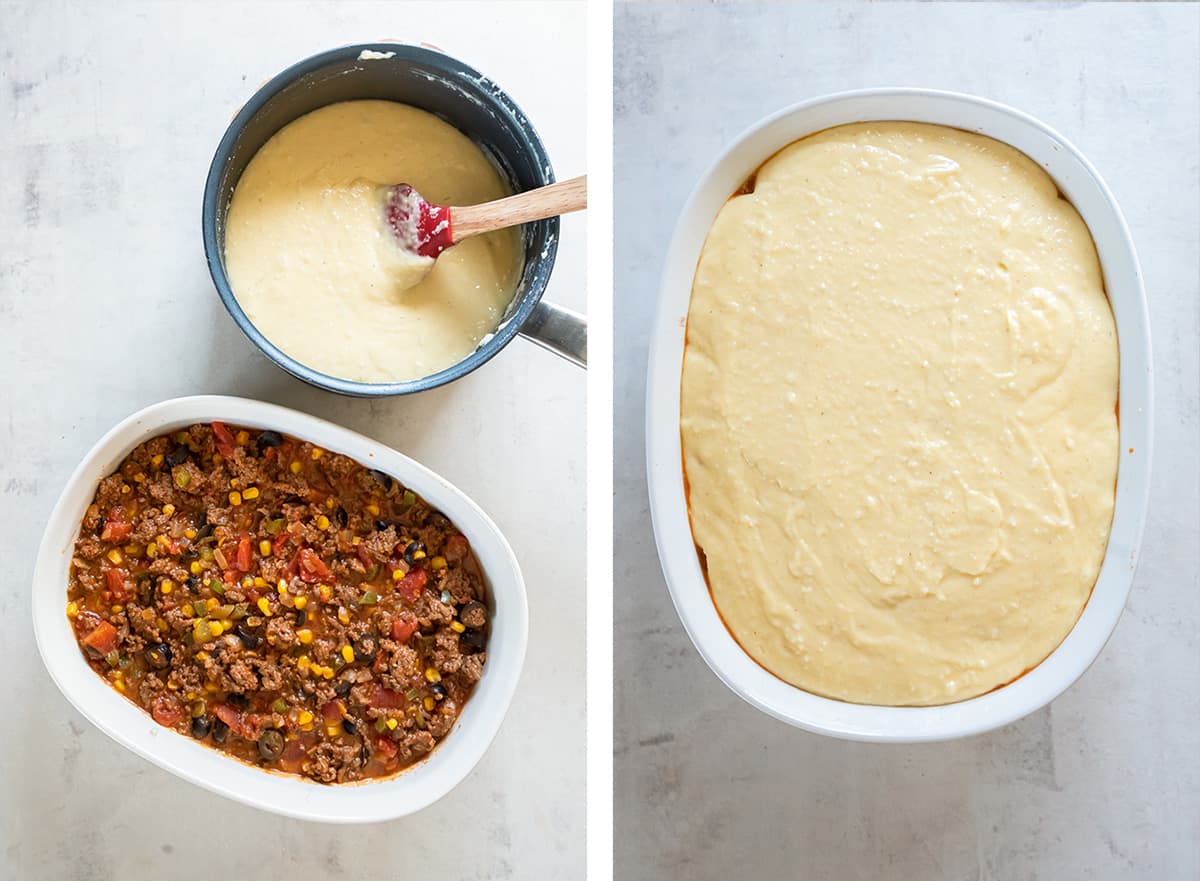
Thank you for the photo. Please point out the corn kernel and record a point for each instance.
(348, 654)
(168, 510)
(343, 615)
(457, 626)
(152, 550)
(305, 636)
(326, 592)
(212, 603)
(392, 723)
(72, 610)
(233, 483)
(433, 675)
(305, 717)
(373, 509)
(437, 563)
(250, 493)
(295, 467)
(322, 523)
(259, 581)
(166, 586)
(115, 556)
(216, 628)
(131, 550)
(210, 686)
(235, 498)
(397, 574)
(188, 610)
(196, 568)
(317, 453)
(303, 662)
(301, 602)
(242, 437)
(120, 685)
(264, 606)
(118, 609)
(332, 730)
(430, 703)
(140, 477)
(156, 459)
(189, 534)
(327, 672)
(126, 489)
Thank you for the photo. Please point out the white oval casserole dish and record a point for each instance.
(129, 725)
(1083, 187)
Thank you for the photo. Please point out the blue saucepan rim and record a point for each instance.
(506, 107)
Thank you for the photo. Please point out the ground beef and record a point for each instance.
(234, 582)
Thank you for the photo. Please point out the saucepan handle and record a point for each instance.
(562, 331)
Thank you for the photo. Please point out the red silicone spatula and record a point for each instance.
(426, 230)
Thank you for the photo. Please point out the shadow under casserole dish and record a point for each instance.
(279, 602)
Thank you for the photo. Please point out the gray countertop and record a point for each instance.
(109, 116)
(1105, 782)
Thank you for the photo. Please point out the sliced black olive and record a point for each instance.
(301, 617)
(410, 552)
(270, 744)
(381, 525)
(472, 641)
(178, 456)
(349, 727)
(439, 690)
(385, 479)
(220, 731)
(341, 516)
(268, 439)
(238, 701)
(343, 688)
(159, 656)
(201, 725)
(249, 638)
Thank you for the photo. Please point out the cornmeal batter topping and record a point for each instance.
(313, 263)
(899, 414)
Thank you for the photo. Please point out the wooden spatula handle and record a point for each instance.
(558, 198)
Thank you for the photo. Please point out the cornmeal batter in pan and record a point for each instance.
(899, 414)
(313, 263)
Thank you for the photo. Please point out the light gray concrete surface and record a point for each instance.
(109, 115)
(1105, 783)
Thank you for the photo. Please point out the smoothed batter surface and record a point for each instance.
(313, 263)
(898, 414)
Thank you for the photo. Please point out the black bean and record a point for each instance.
(193, 584)
(268, 439)
(238, 701)
(381, 525)
(474, 615)
(341, 516)
(203, 532)
(439, 690)
(249, 638)
(349, 727)
(343, 688)
(301, 617)
(410, 552)
(220, 731)
(472, 641)
(201, 725)
(159, 656)
(178, 456)
(385, 479)
(270, 745)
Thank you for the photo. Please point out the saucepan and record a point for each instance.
(460, 95)
(1080, 183)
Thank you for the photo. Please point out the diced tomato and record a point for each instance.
(224, 439)
(386, 698)
(386, 745)
(363, 554)
(116, 525)
(411, 585)
(102, 639)
(166, 711)
(244, 554)
(332, 711)
(310, 567)
(114, 580)
(456, 547)
(403, 628)
(241, 723)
